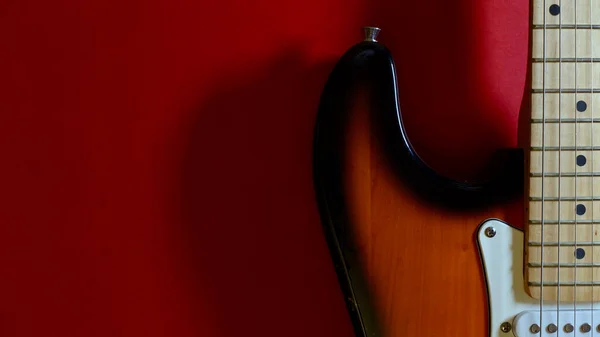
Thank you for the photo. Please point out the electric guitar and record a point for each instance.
(420, 254)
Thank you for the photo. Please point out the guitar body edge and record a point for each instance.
(418, 261)
(402, 237)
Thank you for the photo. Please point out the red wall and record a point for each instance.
(156, 155)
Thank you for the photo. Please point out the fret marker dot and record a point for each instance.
(580, 209)
(581, 160)
(555, 10)
(581, 106)
(579, 253)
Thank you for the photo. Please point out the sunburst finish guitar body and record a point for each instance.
(419, 254)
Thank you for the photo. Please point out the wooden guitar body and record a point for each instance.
(402, 237)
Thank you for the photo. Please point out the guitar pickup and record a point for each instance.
(553, 323)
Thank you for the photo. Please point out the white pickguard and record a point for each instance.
(502, 257)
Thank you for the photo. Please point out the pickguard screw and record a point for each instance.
(534, 328)
(490, 232)
(505, 327)
(569, 327)
(586, 327)
(552, 328)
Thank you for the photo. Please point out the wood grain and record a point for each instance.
(580, 12)
(563, 213)
(563, 103)
(420, 261)
(565, 43)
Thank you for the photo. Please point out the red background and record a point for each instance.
(156, 155)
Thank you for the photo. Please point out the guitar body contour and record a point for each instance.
(403, 239)
(420, 260)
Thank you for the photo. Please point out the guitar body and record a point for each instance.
(420, 259)
(418, 253)
(404, 239)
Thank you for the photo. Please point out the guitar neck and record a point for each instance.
(563, 247)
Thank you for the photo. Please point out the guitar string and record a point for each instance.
(560, 154)
(542, 217)
(592, 154)
(575, 179)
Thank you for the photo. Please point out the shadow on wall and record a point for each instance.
(5, 6)
(460, 102)
(251, 227)
(250, 224)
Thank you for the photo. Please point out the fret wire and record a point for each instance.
(564, 174)
(568, 26)
(566, 60)
(566, 91)
(564, 199)
(564, 222)
(563, 243)
(565, 148)
(566, 120)
(565, 283)
(564, 264)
